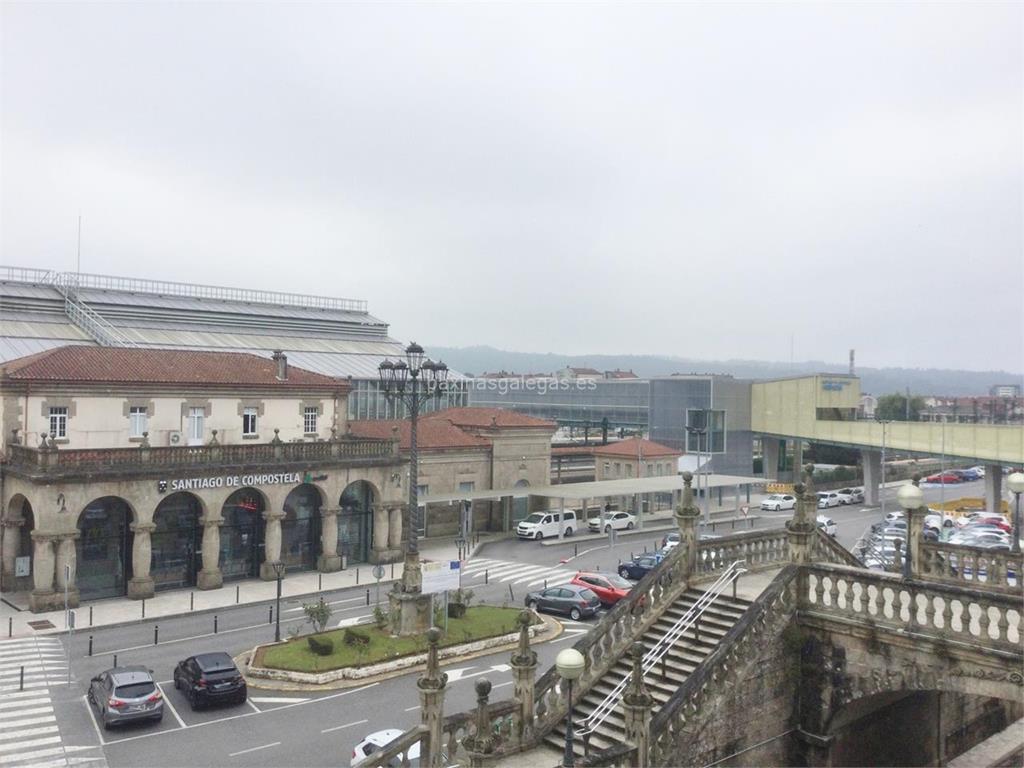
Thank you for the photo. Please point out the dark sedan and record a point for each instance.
(569, 599)
(638, 567)
(209, 678)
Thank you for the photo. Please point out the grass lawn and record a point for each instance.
(481, 621)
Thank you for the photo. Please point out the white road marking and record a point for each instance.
(25, 713)
(523, 571)
(352, 621)
(346, 725)
(411, 709)
(254, 749)
(502, 685)
(28, 684)
(23, 703)
(332, 602)
(553, 581)
(24, 733)
(167, 703)
(33, 756)
(29, 743)
(252, 706)
(196, 637)
(274, 699)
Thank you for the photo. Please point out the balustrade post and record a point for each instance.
(637, 705)
(802, 526)
(482, 744)
(431, 686)
(915, 533)
(524, 670)
(687, 514)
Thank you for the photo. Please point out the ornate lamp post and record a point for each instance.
(410, 381)
(279, 573)
(1015, 483)
(910, 498)
(570, 664)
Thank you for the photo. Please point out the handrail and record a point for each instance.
(668, 640)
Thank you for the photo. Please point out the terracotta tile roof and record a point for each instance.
(489, 417)
(629, 448)
(431, 434)
(116, 365)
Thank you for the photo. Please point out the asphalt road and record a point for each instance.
(277, 728)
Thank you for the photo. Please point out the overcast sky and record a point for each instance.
(707, 181)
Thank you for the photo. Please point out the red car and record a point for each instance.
(609, 587)
(945, 478)
(997, 521)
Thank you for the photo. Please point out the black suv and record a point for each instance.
(210, 677)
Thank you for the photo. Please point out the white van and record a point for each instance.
(541, 524)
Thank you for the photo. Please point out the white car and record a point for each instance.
(827, 524)
(541, 524)
(377, 741)
(891, 517)
(851, 495)
(827, 499)
(619, 521)
(779, 501)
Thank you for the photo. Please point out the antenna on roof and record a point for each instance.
(78, 264)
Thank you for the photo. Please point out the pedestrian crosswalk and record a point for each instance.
(517, 574)
(29, 734)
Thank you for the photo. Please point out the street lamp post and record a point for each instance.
(700, 432)
(1015, 482)
(570, 665)
(910, 498)
(410, 381)
(279, 568)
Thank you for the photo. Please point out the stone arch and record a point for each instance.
(242, 533)
(103, 549)
(177, 540)
(357, 502)
(300, 527)
(19, 522)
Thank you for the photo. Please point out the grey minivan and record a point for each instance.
(125, 695)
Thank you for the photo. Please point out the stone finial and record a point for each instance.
(916, 478)
(482, 742)
(524, 656)
(807, 478)
(334, 435)
(637, 692)
(276, 439)
(686, 506)
(432, 677)
(494, 422)
(15, 440)
(43, 446)
(144, 443)
(213, 439)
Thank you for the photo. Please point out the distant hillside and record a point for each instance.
(925, 381)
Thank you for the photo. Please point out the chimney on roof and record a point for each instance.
(282, 364)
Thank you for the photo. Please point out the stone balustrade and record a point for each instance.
(759, 549)
(396, 753)
(505, 724)
(826, 549)
(970, 615)
(970, 566)
(620, 756)
(59, 462)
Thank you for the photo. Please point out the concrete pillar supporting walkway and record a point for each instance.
(872, 461)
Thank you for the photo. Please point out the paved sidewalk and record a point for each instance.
(122, 610)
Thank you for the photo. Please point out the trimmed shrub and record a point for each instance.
(456, 610)
(321, 646)
(355, 637)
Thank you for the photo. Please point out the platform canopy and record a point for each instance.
(595, 490)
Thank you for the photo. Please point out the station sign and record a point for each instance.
(228, 481)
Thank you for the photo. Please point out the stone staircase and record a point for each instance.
(662, 681)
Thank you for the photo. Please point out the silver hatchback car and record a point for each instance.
(125, 695)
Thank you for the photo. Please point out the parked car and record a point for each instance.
(619, 521)
(779, 501)
(541, 524)
(979, 471)
(208, 678)
(670, 541)
(827, 524)
(827, 499)
(125, 695)
(968, 475)
(855, 495)
(896, 514)
(573, 600)
(995, 520)
(608, 587)
(943, 478)
(638, 567)
(377, 741)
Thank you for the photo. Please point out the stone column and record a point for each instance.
(141, 583)
(872, 463)
(636, 706)
(770, 458)
(395, 528)
(915, 532)
(42, 597)
(524, 671)
(67, 557)
(994, 488)
(272, 545)
(329, 560)
(210, 576)
(12, 543)
(804, 521)
(482, 744)
(431, 686)
(687, 514)
(380, 527)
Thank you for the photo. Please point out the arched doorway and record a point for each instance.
(241, 535)
(355, 521)
(300, 528)
(177, 541)
(520, 506)
(104, 549)
(17, 546)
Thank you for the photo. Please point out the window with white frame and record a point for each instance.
(467, 487)
(309, 416)
(138, 420)
(249, 422)
(59, 421)
(422, 490)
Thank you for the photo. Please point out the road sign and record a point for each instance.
(378, 572)
(440, 576)
(745, 509)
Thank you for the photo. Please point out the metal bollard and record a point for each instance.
(486, 575)
(511, 594)
(575, 550)
(392, 570)
(319, 582)
(115, 660)
(645, 549)
(21, 679)
(734, 587)
(156, 634)
(357, 575)
(90, 615)
(238, 589)
(90, 645)
(143, 607)
(545, 583)
(10, 626)
(215, 623)
(270, 618)
(192, 601)
(367, 597)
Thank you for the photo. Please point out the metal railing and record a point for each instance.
(664, 645)
(167, 288)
